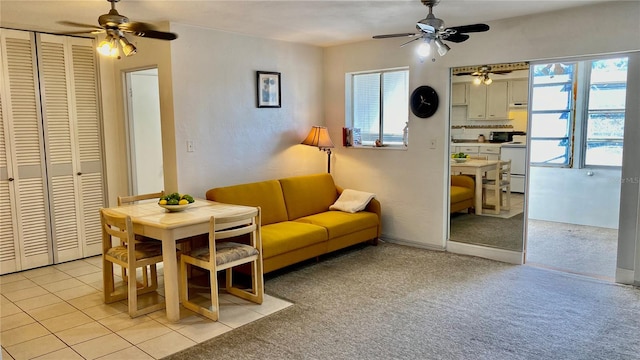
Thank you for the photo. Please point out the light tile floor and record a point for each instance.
(57, 312)
(517, 206)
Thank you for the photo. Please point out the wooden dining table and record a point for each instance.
(478, 168)
(151, 220)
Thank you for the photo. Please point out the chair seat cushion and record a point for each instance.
(288, 236)
(226, 252)
(339, 223)
(143, 250)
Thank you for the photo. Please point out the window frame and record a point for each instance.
(350, 108)
(587, 111)
(579, 112)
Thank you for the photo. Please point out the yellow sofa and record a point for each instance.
(296, 221)
(462, 192)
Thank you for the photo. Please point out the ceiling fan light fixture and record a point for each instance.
(477, 80)
(443, 48)
(128, 48)
(108, 47)
(487, 80)
(424, 49)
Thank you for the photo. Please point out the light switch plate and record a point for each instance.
(433, 143)
(190, 146)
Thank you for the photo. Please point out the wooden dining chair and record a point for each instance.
(135, 198)
(130, 199)
(136, 254)
(500, 183)
(218, 256)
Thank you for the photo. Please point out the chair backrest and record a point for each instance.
(479, 157)
(114, 225)
(133, 198)
(232, 226)
(505, 172)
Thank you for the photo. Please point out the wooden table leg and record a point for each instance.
(170, 263)
(478, 191)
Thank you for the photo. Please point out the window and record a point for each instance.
(379, 105)
(577, 113)
(552, 113)
(605, 112)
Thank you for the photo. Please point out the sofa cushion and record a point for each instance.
(308, 195)
(266, 194)
(287, 236)
(459, 193)
(340, 223)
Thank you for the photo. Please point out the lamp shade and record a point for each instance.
(318, 137)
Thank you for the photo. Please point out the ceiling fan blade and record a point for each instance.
(71, 23)
(410, 41)
(470, 28)
(456, 38)
(79, 32)
(146, 30)
(394, 35)
(153, 34)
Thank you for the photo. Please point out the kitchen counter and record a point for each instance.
(514, 144)
(471, 143)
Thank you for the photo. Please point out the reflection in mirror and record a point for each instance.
(488, 118)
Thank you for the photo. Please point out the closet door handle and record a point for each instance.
(10, 179)
(79, 173)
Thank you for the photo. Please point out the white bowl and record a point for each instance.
(460, 160)
(175, 208)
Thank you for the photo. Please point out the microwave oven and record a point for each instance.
(503, 136)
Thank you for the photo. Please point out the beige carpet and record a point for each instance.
(580, 249)
(397, 302)
(488, 231)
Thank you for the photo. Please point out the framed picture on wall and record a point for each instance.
(268, 89)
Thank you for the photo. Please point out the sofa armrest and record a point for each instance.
(373, 206)
(463, 181)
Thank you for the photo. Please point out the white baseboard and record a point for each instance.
(624, 276)
(412, 244)
(508, 256)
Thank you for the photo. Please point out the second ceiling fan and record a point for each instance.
(432, 30)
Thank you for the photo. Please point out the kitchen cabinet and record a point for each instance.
(50, 150)
(518, 92)
(492, 152)
(459, 94)
(488, 102)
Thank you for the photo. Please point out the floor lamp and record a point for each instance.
(319, 137)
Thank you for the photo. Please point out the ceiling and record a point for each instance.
(321, 22)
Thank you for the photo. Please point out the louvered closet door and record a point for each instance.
(74, 161)
(25, 241)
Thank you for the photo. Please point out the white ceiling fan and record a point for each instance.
(432, 30)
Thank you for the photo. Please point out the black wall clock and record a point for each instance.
(424, 101)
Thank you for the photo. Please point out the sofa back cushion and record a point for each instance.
(308, 195)
(266, 194)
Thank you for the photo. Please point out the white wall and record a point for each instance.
(412, 185)
(214, 95)
(573, 196)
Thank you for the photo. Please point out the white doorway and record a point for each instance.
(144, 133)
(576, 132)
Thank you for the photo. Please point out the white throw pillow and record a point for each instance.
(352, 201)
